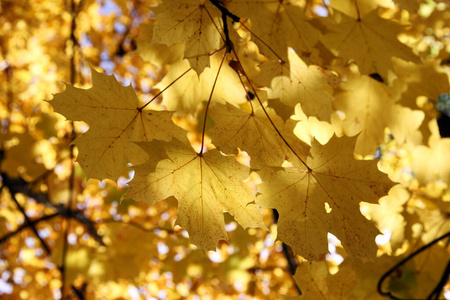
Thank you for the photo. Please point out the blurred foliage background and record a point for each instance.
(63, 236)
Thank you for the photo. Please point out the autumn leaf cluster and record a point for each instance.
(304, 129)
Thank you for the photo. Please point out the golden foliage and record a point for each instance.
(241, 139)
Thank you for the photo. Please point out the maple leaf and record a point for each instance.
(191, 90)
(367, 106)
(370, 41)
(411, 81)
(279, 25)
(311, 86)
(158, 54)
(312, 278)
(193, 22)
(333, 178)
(411, 6)
(388, 215)
(359, 8)
(254, 133)
(317, 283)
(205, 185)
(247, 52)
(115, 119)
(436, 168)
(310, 127)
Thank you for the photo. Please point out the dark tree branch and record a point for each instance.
(80, 292)
(226, 13)
(19, 185)
(290, 259)
(405, 260)
(26, 225)
(434, 295)
(15, 188)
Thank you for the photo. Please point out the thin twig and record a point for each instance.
(162, 91)
(269, 118)
(137, 225)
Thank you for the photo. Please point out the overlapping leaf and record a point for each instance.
(318, 284)
(332, 179)
(367, 106)
(278, 25)
(359, 8)
(193, 22)
(115, 119)
(311, 86)
(308, 128)
(309, 89)
(412, 81)
(158, 54)
(189, 91)
(205, 185)
(255, 134)
(368, 40)
(390, 215)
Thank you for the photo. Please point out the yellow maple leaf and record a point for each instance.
(279, 25)
(255, 134)
(430, 164)
(312, 277)
(311, 86)
(158, 54)
(370, 41)
(189, 91)
(389, 215)
(317, 283)
(412, 81)
(115, 118)
(359, 7)
(206, 185)
(247, 51)
(333, 179)
(308, 128)
(365, 105)
(193, 22)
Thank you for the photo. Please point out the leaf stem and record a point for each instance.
(264, 43)
(246, 92)
(207, 105)
(162, 91)
(269, 118)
